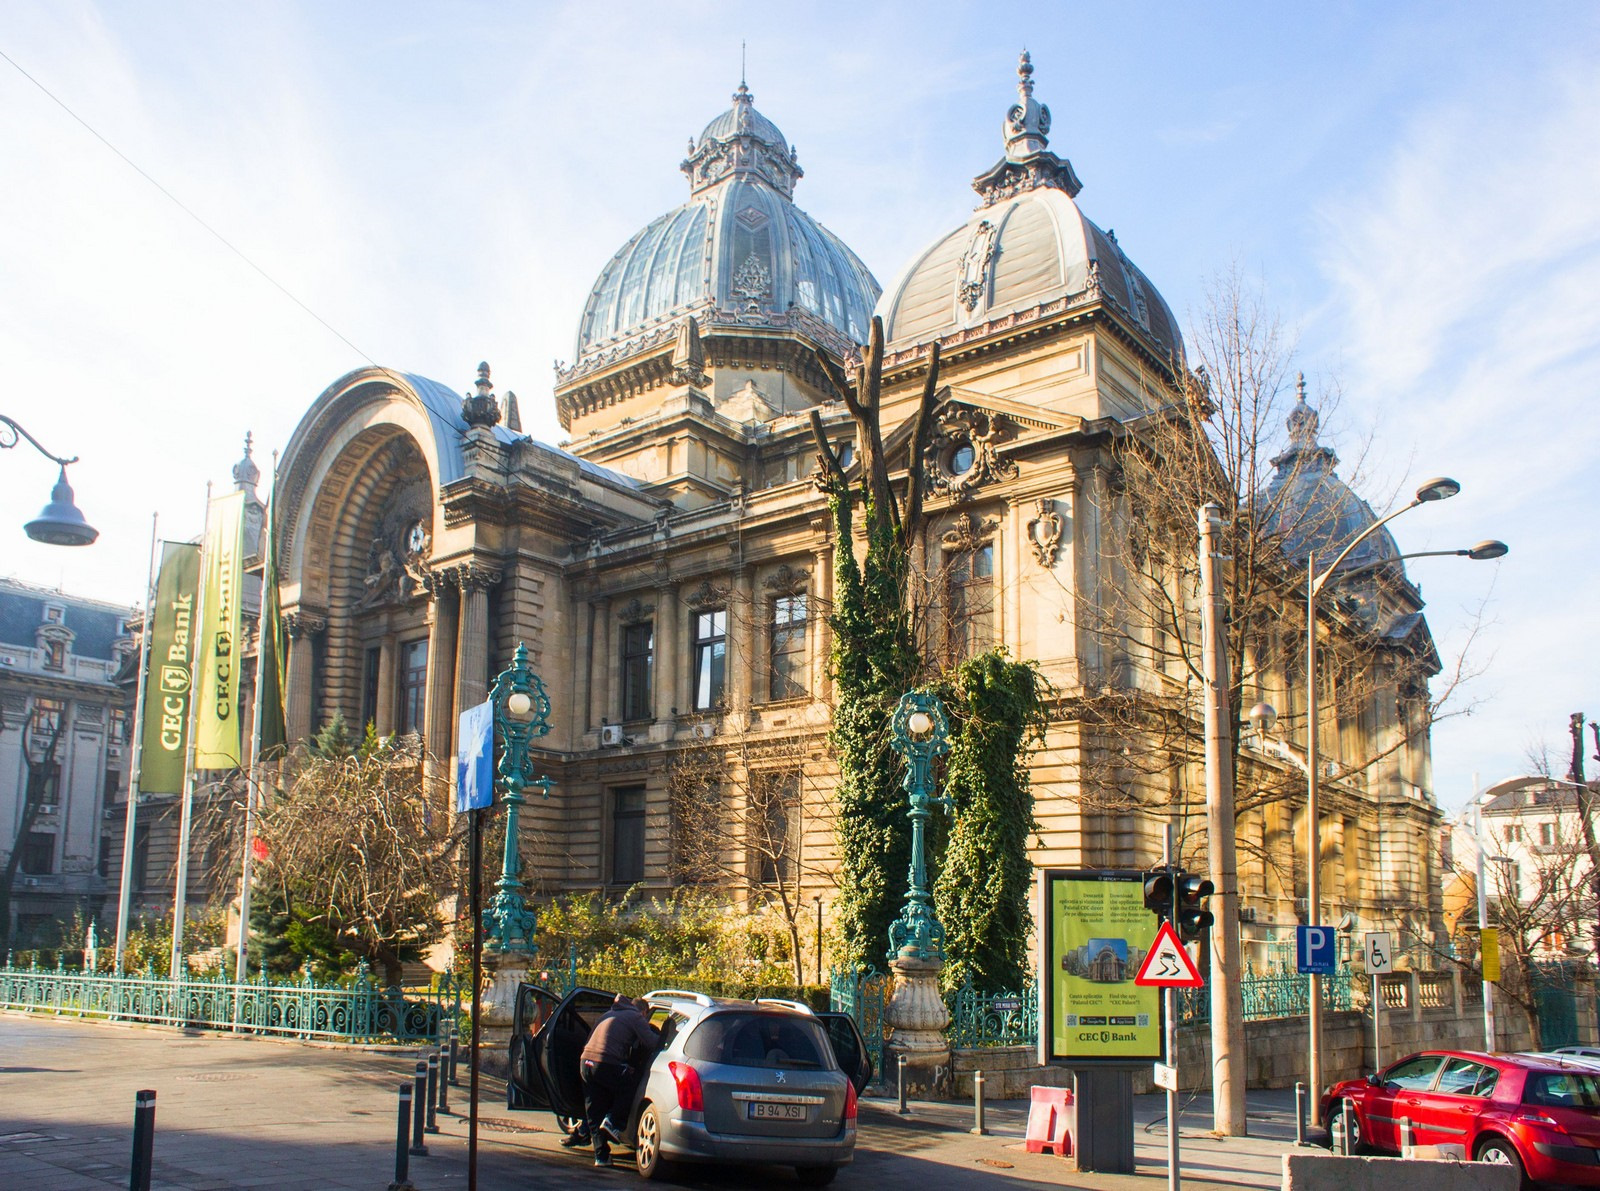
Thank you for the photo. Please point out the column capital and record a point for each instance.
(473, 576)
(300, 623)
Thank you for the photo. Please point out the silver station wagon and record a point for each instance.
(733, 1081)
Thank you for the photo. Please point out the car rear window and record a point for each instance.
(1562, 1089)
(758, 1040)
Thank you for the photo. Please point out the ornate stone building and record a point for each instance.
(670, 567)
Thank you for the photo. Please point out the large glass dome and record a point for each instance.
(739, 250)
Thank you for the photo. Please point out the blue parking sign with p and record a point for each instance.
(1314, 950)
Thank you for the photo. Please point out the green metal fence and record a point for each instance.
(356, 1012)
(993, 1019)
(1278, 992)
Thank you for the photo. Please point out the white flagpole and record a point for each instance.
(125, 895)
(252, 775)
(180, 893)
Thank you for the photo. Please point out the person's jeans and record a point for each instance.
(603, 1085)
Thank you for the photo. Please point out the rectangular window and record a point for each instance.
(55, 655)
(39, 853)
(413, 685)
(1547, 834)
(774, 825)
(45, 721)
(369, 684)
(970, 603)
(788, 674)
(627, 835)
(104, 866)
(709, 658)
(118, 726)
(638, 655)
(141, 856)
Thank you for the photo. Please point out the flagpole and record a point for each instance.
(253, 774)
(180, 893)
(125, 894)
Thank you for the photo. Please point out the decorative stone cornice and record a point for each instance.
(473, 576)
(635, 611)
(969, 532)
(302, 623)
(787, 580)
(707, 596)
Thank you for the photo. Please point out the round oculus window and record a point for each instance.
(962, 459)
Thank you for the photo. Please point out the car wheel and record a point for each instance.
(647, 1145)
(1497, 1151)
(816, 1176)
(1347, 1121)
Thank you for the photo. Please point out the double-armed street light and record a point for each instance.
(59, 523)
(1263, 716)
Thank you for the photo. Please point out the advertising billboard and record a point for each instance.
(1094, 934)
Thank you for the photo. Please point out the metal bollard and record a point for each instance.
(455, 1053)
(977, 1104)
(144, 1140)
(1405, 1136)
(444, 1083)
(433, 1092)
(1347, 1114)
(901, 1068)
(419, 1109)
(402, 1134)
(1299, 1114)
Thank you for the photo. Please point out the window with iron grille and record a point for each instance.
(788, 669)
(638, 654)
(709, 657)
(627, 835)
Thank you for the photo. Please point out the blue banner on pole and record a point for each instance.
(1314, 950)
(475, 762)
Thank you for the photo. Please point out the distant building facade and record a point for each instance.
(65, 747)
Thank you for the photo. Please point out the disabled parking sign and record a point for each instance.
(1314, 950)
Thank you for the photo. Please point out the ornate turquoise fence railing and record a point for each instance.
(993, 1019)
(1277, 993)
(862, 993)
(357, 1012)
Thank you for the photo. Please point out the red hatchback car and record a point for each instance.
(1538, 1113)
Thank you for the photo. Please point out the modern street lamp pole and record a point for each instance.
(1440, 488)
(59, 523)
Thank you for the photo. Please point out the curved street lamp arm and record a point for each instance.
(10, 431)
(1326, 576)
(1321, 580)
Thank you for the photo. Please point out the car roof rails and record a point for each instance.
(797, 1006)
(678, 994)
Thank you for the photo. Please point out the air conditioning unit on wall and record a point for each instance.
(704, 731)
(1247, 913)
(611, 736)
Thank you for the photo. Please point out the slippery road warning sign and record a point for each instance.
(1167, 964)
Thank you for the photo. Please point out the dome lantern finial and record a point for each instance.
(1303, 421)
(245, 472)
(1028, 162)
(1027, 124)
(481, 408)
(741, 141)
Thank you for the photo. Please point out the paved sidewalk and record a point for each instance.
(246, 1112)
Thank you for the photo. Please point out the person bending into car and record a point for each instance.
(607, 1064)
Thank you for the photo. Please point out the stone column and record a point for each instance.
(917, 1015)
(669, 647)
(441, 710)
(383, 710)
(472, 635)
(743, 612)
(818, 604)
(302, 627)
(601, 647)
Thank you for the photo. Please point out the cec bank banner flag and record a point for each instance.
(167, 683)
(217, 657)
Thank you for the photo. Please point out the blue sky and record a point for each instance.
(1414, 186)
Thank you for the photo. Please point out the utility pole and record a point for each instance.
(1575, 775)
(1227, 993)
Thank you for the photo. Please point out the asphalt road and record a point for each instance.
(245, 1112)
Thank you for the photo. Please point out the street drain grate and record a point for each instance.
(996, 1162)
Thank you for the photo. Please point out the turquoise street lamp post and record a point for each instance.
(919, 733)
(916, 1012)
(521, 715)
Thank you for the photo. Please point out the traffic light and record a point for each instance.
(1158, 888)
(1193, 920)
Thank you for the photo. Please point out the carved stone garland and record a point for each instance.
(960, 426)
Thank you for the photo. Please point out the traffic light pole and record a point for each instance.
(1170, 996)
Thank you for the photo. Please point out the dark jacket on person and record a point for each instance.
(617, 1034)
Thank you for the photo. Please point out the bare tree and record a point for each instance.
(739, 809)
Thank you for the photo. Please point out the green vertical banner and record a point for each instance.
(217, 744)
(270, 652)
(169, 681)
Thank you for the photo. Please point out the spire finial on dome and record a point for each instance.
(245, 472)
(1303, 421)
(481, 408)
(1027, 124)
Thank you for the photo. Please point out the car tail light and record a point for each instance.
(850, 1109)
(691, 1098)
(1538, 1118)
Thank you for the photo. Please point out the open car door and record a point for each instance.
(536, 1005)
(557, 1048)
(848, 1047)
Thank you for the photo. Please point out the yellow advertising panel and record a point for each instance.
(1489, 947)
(1096, 932)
